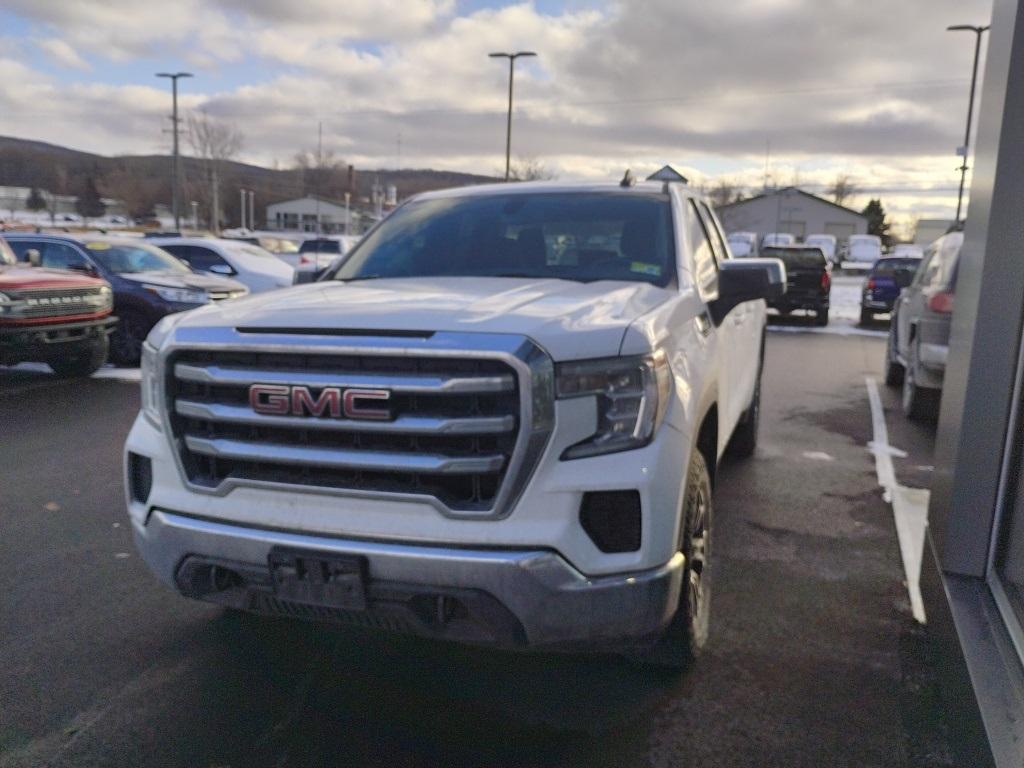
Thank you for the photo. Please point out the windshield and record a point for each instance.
(6, 254)
(872, 241)
(131, 258)
(797, 258)
(572, 236)
(889, 267)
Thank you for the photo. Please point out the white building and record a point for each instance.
(792, 210)
(301, 215)
(928, 231)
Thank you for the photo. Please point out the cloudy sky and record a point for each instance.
(874, 88)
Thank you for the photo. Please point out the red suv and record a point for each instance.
(53, 316)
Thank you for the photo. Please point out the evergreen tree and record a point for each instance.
(877, 224)
(88, 203)
(35, 201)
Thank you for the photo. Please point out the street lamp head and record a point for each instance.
(966, 28)
(499, 55)
(174, 75)
(516, 55)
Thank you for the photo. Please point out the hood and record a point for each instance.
(570, 320)
(184, 280)
(20, 277)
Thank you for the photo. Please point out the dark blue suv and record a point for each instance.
(886, 279)
(148, 283)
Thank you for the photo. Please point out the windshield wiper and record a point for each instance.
(532, 276)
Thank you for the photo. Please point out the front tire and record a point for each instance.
(821, 317)
(84, 361)
(684, 638)
(918, 402)
(893, 370)
(744, 437)
(126, 341)
(866, 317)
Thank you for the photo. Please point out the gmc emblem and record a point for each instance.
(285, 400)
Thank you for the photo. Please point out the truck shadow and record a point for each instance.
(322, 695)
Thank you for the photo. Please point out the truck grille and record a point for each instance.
(56, 302)
(451, 432)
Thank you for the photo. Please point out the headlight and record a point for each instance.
(102, 299)
(179, 295)
(150, 370)
(631, 395)
(151, 367)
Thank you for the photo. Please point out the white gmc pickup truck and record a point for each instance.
(497, 420)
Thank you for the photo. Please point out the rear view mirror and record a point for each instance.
(34, 257)
(741, 280)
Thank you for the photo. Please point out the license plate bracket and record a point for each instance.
(318, 578)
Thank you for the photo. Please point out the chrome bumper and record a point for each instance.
(508, 598)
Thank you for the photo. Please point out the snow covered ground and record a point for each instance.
(844, 314)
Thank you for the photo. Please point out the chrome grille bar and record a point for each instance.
(405, 425)
(339, 458)
(403, 384)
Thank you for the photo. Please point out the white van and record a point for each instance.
(743, 244)
(827, 244)
(863, 250)
(776, 239)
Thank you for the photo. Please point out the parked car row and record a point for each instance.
(918, 341)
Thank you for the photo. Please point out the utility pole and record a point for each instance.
(511, 76)
(195, 215)
(978, 32)
(319, 169)
(242, 207)
(252, 210)
(176, 167)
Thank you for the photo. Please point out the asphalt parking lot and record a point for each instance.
(814, 657)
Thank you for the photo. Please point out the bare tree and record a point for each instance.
(323, 174)
(842, 189)
(213, 142)
(138, 192)
(529, 169)
(725, 192)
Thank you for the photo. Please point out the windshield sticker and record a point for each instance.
(97, 246)
(645, 269)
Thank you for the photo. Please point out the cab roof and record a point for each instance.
(541, 187)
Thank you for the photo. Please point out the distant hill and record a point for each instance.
(144, 180)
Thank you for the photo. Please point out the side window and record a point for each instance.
(62, 256)
(703, 255)
(929, 266)
(718, 242)
(22, 247)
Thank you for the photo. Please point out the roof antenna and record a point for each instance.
(627, 179)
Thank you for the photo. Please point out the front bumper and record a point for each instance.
(43, 341)
(510, 598)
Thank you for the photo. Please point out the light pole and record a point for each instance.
(173, 76)
(978, 31)
(511, 76)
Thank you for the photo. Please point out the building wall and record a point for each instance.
(301, 215)
(793, 212)
(928, 231)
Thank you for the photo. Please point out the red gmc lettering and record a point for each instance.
(329, 400)
(355, 410)
(270, 399)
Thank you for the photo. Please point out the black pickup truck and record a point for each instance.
(808, 280)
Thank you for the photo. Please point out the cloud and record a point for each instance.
(62, 53)
(832, 86)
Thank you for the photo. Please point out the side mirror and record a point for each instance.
(741, 280)
(33, 256)
(221, 269)
(307, 275)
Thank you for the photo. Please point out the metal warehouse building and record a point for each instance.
(792, 210)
